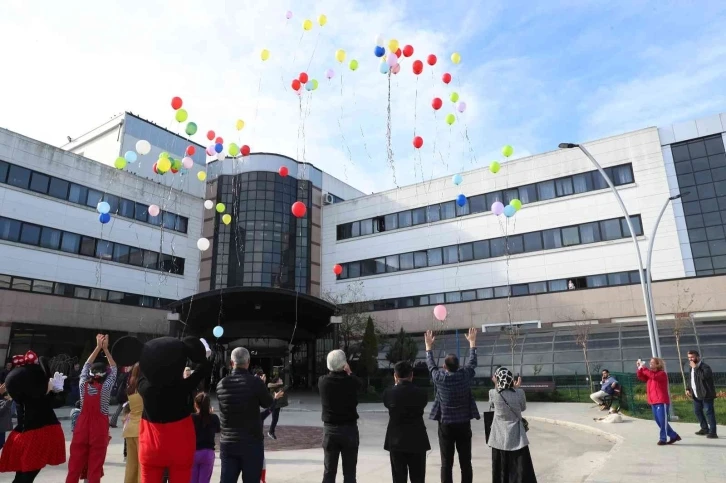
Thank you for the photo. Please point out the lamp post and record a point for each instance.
(646, 301)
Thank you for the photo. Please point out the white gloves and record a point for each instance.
(206, 347)
(55, 383)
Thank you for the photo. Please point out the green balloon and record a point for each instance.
(233, 149)
(494, 166)
(450, 118)
(516, 204)
(454, 96)
(176, 164)
(181, 115)
(120, 163)
(220, 207)
(507, 150)
(164, 155)
(191, 129)
(353, 64)
(315, 84)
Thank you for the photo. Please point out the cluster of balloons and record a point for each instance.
(307, 23)
(304, 80)
(514, 205)
(181, 115)
(166, 163)
(104, 209)
(220, 208)
(391, 63)
(495, 166)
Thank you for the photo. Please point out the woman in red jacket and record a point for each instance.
(656, 380)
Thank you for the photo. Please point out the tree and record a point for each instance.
(404, 348)
(582, 339)
(369, 350)
(513, 333)
(683, 303)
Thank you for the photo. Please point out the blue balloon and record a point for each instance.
(218, 147)
(218, 331)
(379, 51)
(130, 156)
(309, 85)
(509, 211)
(461, 200)
(103, 207)
(104, 218)
(385, 68)
(457, 179)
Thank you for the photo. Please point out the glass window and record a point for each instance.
(700, 249)
(477, 204)
(468, 295)
(41, 286)
(181, 224)
(596, 281)
(368, 267)
(714, 145)
(169, 220)
(622, 175)
(420, 259)
(22, 284)
(141, 212)
(497, 247)
(515, 244)
(30, 234)
(4, 279)
(481, 249)
(453, 297)
(500, 292)
(532, 242)
(717, 161)
(418, 216)
(484, 293)
(528, 194)
(520, 290)
(546, 190)
(71, 242)
(155, 220)
(104, 250)
(39, 183)
(434, 257)
(618, 278)
(493, 198)
(466, 252)
(19, 177)
(557, 285)
(88, 246)
(510, 194)
(115, 297)
(635, 220)
(50, 238)
(686, 180)
(355, 229)
(598, 182)
(406, 261)
(81, 292)
(462, 210)
(423, 300)
(353, 270)
(611, 230)
(120, 253)
(380, 265)
(58, 188)
(582, 183)
(151, 259)
(564, 186)
(390, 222)
(9, 229)
(366, 227)
(63, 289)
(4, 167)
(112, 201)
(99, 294)
(570, 236)
(392, 263)
(78, 194)
(451, 254)
(344, 231)
(680, 152)
(404, 219)
(94, 198)
(126, 208)
(448, 210)
(437, 298)
(552, 238)
(590, 232)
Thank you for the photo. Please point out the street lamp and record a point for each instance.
(643, 285)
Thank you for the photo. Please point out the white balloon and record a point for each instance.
(209, 204)
(143, 147)
(379, 40)
(203, 244)
(221, 156)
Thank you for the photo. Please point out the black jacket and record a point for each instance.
(240, 396)
(339, 397)
(705, 386)
(406, 431)
(123, 384)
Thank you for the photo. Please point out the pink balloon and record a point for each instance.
(392, 60)
(330, 73)
(396, 69)
(188, 162)
(211, 151)
(154, 210)
(288, 15)
(440, 312)
(462, 106)
(497, 208)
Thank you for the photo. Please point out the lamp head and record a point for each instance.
(567, 145)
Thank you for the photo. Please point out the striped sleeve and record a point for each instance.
(85, 375)
(106, 391)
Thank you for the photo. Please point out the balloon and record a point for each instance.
(143, 147)
(392, 45)
(315, 83)
(233, 149)
(454, 96)
(417, 142)
(299, 209)
(210, 150)
(417, 67)
(517, 204)
(457, 179)
(288, 15)
(431, 59)
(176, 103)
(209, 204)
(191, 150)
(191, 128)
(176, 165)
(296, 85)
(154, 169)
(353, 64)
(507, 150)
(174, 170)
(210, 135)
(308, 24)
(385, 68)
(103, 207)
(218, 331)
(494, 166)
(436, 103)
(337, 269)
(408, 51)
(398, 53)
(219, 140)
(220, 207)
(120, 163)
(309, 86)
(240, 124)
(201, 176)
(203, 244)
(163, 165)
(104, 218)
(322, 20)
(396, 68)
(264, 55)
(455, 58)
(461, 107)
(440, 312)
(497, 208)
(181, 115)
(392, 60)
(450, 118)
(340, 55)
(245, 150)
(283, 171)
(227, 219)
(164, 155)
(154, 210)
(303, 77)
(379, 51)
(379, 40)
(221, 156)
(130, 156)
(446, 78)
(509, 211)
(218, 147)
(461, 200)
(330, 73)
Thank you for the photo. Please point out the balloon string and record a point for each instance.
(299, 42)
(388, 134)
(314, 49)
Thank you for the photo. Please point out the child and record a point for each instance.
(206, 426)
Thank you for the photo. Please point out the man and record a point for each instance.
(703, 391)
(607, 388)
(406, 436)
(454, 407)
(121, 396)
(240, 396)
(274, 386)
(339, 398)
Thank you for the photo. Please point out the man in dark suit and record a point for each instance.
(406, 437)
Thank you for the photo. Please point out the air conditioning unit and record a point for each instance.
(328, 199)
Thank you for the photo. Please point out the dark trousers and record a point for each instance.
(26, 477)
(114, 419)
(404, 464)
(707, 421)
(455, 436)
(248, 460)
(275, 417)
(340, 441)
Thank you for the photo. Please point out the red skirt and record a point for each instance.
(33, 449)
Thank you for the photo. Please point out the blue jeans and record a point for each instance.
(660, 414)
(707, 421)
(246, 458)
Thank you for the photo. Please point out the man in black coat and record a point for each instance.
(702, 389)
(406, 437)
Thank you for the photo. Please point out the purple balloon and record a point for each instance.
(330, 73)
(497, 208)
(392, 59)
(462, 106)
(288, 15)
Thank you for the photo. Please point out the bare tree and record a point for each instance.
(582, 339)
(683, 304)
(513, 333)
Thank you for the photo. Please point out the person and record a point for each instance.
(206, 426)
(702, 390)
(656, 381)
(37, 439)
(121, 396)
(511, 460)
(240, 396)
(6, 417)
(339, 398)
(406, 438)
(6, 370)
(135, 405)
(90, 438)
(454, 407)
(187, 372)
(275, 386)
(607, 388)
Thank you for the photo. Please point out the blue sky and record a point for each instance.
(534, 73)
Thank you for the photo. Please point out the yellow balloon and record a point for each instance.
(265, 54)
(163, 165)
(201, 176)
(450, 118)
(322, 20)
(393, 45)
(227, 219)
(455, 57)
(240, 124)
(340, 55)
(308, 24)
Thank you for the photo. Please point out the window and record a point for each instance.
(493, 198)
(22, 284)
(64, 289)
(392, 263)
(453, 297)
(368, 267)
(41, 286)
(39, 183)
(88, 246)
(477, 204)
(451, 254)
(113, 202)
(115, 297)
(78, 194)
(70, 243)
(94, 198)
(611, 230)
(466, 252)
(528, 194)
(596, 281)
(420, 259)
(520, 290)
(366, 227)
(99, 294)
(404, 219)
(126, 208)
(500, 292)
(81, 292)
(437, 298)
(120, 253)
(546, 190)
(552, 239)
(481, 249)
(418, 216)
(4, 279)
(484, 293)
(618, 278)
(590, 232)
(406, 261)
(570, 236)
(582, 183)
(510, 194)
(497, 247)
(515, 244)
(598, 182)
(353, 270)
(564, 187)
(141, 212)
(448, 210)
(9, 229)
(557, 285)
(19, 177)
(635, 220)
(4, 167)
(532, 242)
(151, 259)
(58, 188)
(390, 222)
(104, 250)
(622, 175)
(50, 238)
(468, 295)
(30, 234)
(181, 224)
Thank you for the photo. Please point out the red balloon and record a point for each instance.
(174, 171)
(283, 171)
(446, 78)
(176, 103)
(303, 77)
(408, 51)
(436, 103)
(299, 209)
(296, 85)
(219, 140)
(337, 269)
(210, 135)
(431, 59)
(398, 53)
(154, 168)
(245, 150)
(191, 150)
(417, 67)
(417, 142)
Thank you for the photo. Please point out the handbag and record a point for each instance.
(488, 420)
(525, 423)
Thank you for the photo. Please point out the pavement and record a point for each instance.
(567, 445)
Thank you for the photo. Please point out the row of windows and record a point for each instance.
(585, 233)
(79, 292)
(65, 190)
(544, 190)
(533, 288)
(88, 246)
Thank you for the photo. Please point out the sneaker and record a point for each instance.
(702, 432)
(662, 443)
(712, 436)
(674, 440)
(272, 435)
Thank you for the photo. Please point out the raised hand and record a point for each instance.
(429, 340)
(518, 382)
(99, 340)
(57, 382)
(279, 394)
(104, 345)
(471, 337)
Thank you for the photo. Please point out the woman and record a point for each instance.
(131, 428)
(206, 426)
(276, 386)
(511, 461)
(656, 381)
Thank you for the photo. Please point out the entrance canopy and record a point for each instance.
(253, 312)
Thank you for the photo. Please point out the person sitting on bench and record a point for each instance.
(607, 388)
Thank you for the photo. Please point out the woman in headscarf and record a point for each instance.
(511, 461)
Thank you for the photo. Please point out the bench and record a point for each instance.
(538, 387)
(617, 395)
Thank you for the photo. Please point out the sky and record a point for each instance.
(532, 74)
